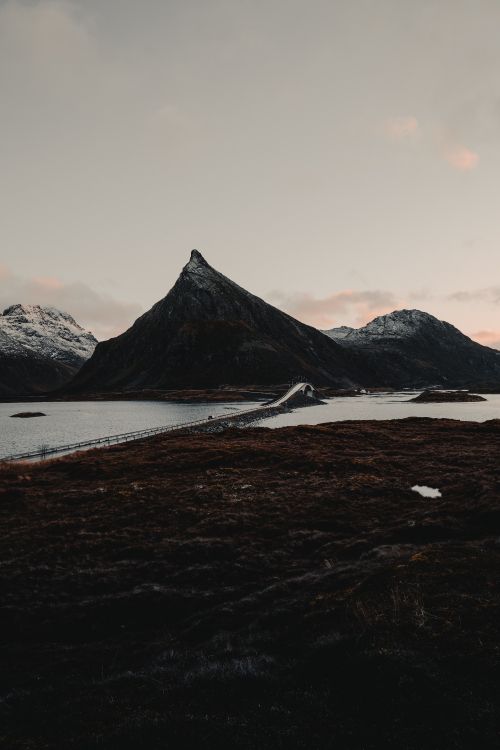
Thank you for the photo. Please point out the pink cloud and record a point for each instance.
(402, 128)
(488, 338)
(96, 311)
(345, 307)
(48, 282)
(461, 158)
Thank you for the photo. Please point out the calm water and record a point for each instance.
(386, 406)
(70, 422)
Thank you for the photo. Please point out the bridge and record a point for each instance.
(303, 389)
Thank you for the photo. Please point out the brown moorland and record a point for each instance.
(255, 589)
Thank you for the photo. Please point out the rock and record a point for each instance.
(28, 414)
(444, 397)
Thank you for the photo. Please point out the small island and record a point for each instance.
(28, 414)
(445, 397)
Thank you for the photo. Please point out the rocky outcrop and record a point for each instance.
(446, 397)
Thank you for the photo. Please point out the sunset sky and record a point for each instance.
(339, 158)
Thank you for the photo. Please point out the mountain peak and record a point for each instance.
(47, 332)
(20, 309)
(401, 323)
(398, 324)
(196, 261)
(42, 314)
(407, 314)
(200, 275)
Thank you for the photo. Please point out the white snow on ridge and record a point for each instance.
(342, 332)
(398, 324)
(28, 330)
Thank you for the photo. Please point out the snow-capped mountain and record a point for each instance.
(41, 348)
(47, 332)
(398, 324)
(413, 348)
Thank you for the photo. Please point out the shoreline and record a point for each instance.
(194, 395)
(232, 394)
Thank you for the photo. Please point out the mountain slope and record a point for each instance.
(41, 349)
(209, 331)
(412, 348)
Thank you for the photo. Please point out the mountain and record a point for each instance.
(410, 348)
(41, 348)
(208, 331)
(48, 332)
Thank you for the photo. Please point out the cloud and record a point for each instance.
(48, 282)
(486, 294)
(460, 157)
(407, 128)
(97, 311)
(402, 128)
(55, 70)
(487, 338)
(353, 307)
(44, 35)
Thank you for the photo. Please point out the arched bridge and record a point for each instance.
(303, 389)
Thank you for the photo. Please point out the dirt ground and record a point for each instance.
(255, 588)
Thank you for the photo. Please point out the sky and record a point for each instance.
(339, 158)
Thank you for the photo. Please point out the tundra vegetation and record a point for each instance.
(255, 589)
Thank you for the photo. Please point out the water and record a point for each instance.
(71, 422)
(386, 406)
(75, 421)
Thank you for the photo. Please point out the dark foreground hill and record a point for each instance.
(259, 589)
(208, 331)
(410, 348)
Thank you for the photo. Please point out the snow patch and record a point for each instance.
(425, 491)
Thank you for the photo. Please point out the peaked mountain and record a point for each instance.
(410, 348)
(208, 331)
(41, 348)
